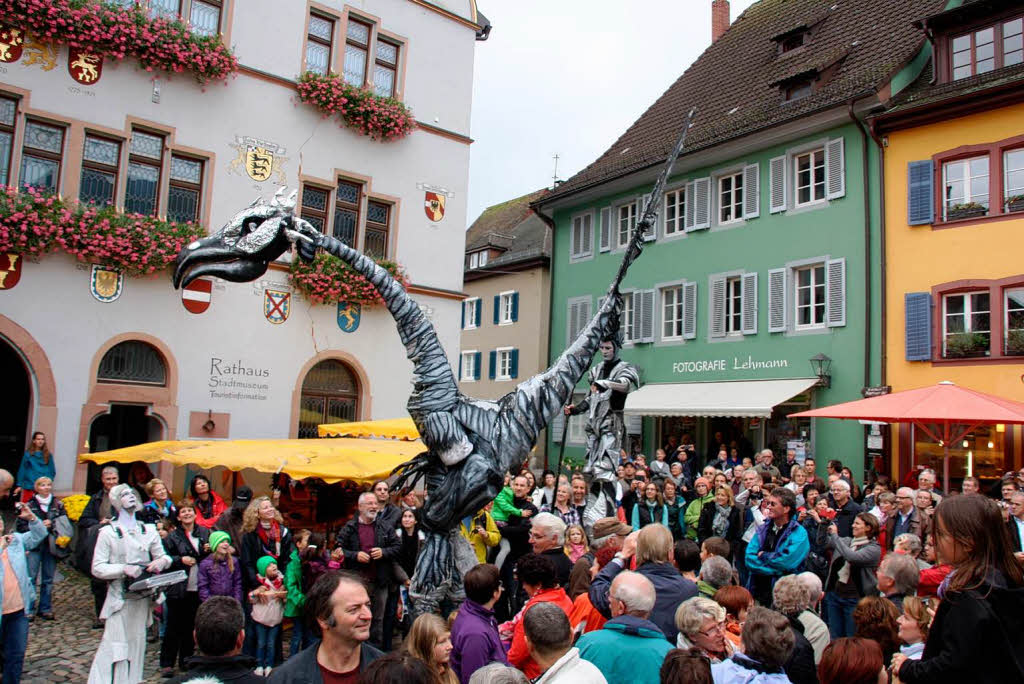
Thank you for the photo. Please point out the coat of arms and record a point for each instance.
(277, 304)
(10, 270)
(11, 41)
(85, 67)
(349, 314)
(106, 283)
(260, 159)
(433, 205)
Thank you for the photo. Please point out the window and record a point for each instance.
(810, 296)
(478, 259)
(346, 212)
(133, 362)
(809, 169)
(672, 313)
(675, 211)
(505, 362)
(482, 257)
(330, 394)
(164, 9)
(357, 49)
(966, 327)
(1014, 321)
(319, 41)
(577, 424)
(101, 158)
(626, 218)
(469, 363)
(185, 189)
(508, 307)
(375, 240)
(1013, 179)
(471, 313)
(145, 159)
(582, 237)
(792, 42)
(730, 198)
(629, 332)
(385, 69)
(987, 49)
(798, 90)
(205, 17)
(8, 112)
(733, 306)
(314, 206)
(578, 315)
(41, 156)
(965, 188)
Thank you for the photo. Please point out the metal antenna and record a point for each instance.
(554, 176)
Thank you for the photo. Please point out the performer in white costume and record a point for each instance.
(124, 548)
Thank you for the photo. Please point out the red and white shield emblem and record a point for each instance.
(85, 67)
(11, 42)
(10, 270)
(196, 295)
(433, 206)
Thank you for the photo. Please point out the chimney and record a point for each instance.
(719, 18)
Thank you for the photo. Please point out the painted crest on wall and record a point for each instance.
(277, 304)
(10, 270)
(349, 315)
(258, 159)
(196, 296)
(433, 206)
(106, 283)
(11, 41)
(84, 66)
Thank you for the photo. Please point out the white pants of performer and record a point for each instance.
(121, 657)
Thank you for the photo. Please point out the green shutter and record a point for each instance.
(513, 364)
(492, 357)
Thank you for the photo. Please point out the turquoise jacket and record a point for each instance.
(650, 514)
(788, 556)
(21, 542)
(32, 468)
(627, 650)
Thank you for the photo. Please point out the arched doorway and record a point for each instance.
(131, 362)
(330, 394)
(18, 406)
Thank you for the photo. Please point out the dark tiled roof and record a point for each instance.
(921, 92)
(511, 226)
(731, 83)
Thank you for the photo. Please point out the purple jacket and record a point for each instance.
(215, 580)
(475, 641)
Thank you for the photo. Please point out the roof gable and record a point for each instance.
(511, 227)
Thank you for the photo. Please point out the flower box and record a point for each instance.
(966, 345)
(959, 212)
(1015, 203)
(329, 280)
(380, 118)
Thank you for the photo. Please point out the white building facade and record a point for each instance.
(95, 375)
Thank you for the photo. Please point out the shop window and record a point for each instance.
(981, 453)
(133, 362)
(966, 330)
(330, 394)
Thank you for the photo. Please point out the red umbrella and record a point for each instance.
(945, 412)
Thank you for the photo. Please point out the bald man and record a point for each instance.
(6, 482)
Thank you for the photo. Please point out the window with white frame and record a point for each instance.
(470, 366)
(966, 324)
(1013, 325)
(505, 361)
(1013, 179)
(471, 313)
(626, 218)
(809, 296)
(629, 333)
(672, 313)
(474, 260)
(809, 176)
(733, 306)
(965, 186)
(730, 198)
(582, 236)
(675, 211)
(577, 424)
(506, 308)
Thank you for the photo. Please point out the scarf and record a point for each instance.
(844, 572)
(205, 507)
(44, 503)
(268, 536)
(576, 551)
(721, 521)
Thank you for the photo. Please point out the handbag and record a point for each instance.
(59, 539)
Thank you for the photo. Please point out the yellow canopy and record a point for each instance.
(393, 428)
(360, 460)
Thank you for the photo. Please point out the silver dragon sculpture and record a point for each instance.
(471, 443)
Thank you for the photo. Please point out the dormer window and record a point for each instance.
(792, 42)
(798, 89)
(987, 49)
(478, 259)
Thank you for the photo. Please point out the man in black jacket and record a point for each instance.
(219, 635)
(370, 548)
(338, 609)
(96, 513)
(230, 521)
(517, 532)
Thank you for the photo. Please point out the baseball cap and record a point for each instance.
(243, 494)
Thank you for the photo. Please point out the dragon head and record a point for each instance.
(245, 246)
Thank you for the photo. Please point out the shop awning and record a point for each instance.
(391, 428)
(743, 398)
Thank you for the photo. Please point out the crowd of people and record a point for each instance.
(742, 571)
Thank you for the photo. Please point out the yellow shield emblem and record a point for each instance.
(106, 283)
(259, 163)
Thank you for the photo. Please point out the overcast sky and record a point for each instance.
(568, 77)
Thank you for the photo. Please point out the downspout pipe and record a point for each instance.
(884, 317)
(867, 242)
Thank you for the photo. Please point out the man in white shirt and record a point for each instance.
(549, 638)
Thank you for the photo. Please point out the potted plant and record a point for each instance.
(1015, 203)
(966, 344)
(965, 210)
(1015, 343)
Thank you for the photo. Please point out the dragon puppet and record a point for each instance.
(471, 443)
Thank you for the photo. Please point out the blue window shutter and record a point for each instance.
(920, 193)
(918, 310)
(476, 365)
(460, 366)
(513, 364)
(492, 357)
(462, 324)
(515, 307)
(479, 306)
(497, 309)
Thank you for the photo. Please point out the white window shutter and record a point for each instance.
(606, 229)
(835, 167)
(588, 234)
(584, 315)
(702, 203)
(748, 293)
(636, 310)
(652, 232)
(717, 306)
(558, 427)
(646, 331)
(835, 277)
(777, 300)
(751, 191)
(572, 323)
(689, 311)
(688, 214)
(777, 179)
(634, 424)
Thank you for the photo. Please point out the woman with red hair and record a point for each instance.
(736, 601)
(852, 660)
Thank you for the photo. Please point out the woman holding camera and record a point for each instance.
(851, 575)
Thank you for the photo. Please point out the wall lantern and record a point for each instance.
(822, 367)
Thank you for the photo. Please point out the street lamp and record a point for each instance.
(822, 366)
